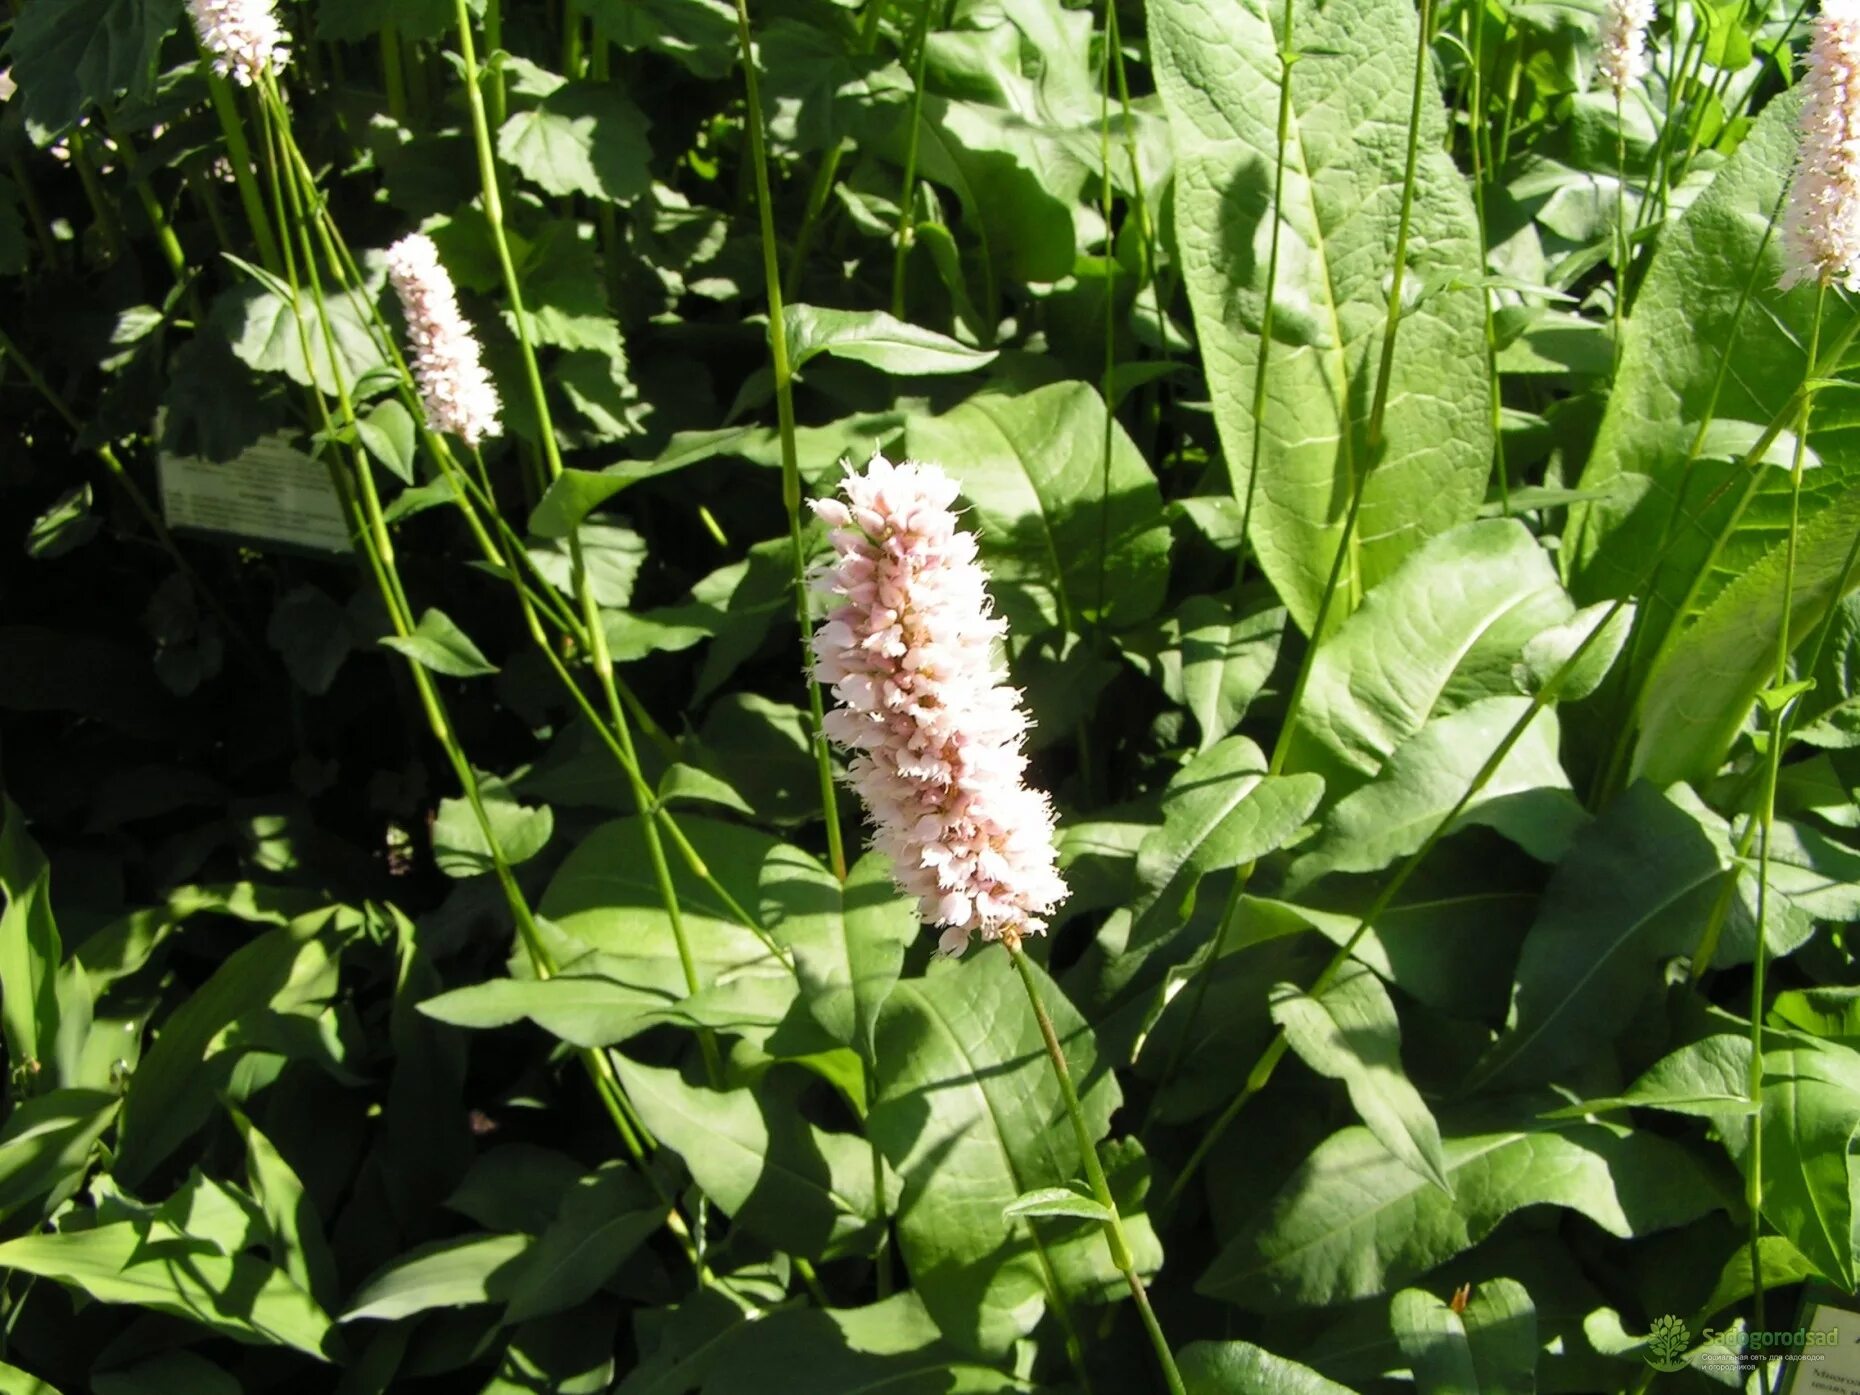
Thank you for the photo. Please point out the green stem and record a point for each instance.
(1753, 1182)
(1114, 1236)
(907, 225)
(239, 156)
(591, 616)
(784, 408)
(391, 75)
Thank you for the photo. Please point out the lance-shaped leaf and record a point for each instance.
(1486, 1347)
(1218, 71)
(1349, 1032)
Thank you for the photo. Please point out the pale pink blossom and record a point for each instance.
(937, 736)
(1821, 226)
(242, 36)
(457, 392)
(1622, 56)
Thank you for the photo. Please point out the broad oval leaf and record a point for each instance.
(1218, 71)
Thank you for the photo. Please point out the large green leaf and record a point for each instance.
(1349, 1032)
(1687, 352)
(1443, 630)
(1632, 891)
(604, 895)
(257, 320)
(582, 138)
(602, 1220)
(889, 1348)
(1488, 1346)
(153, 1265)
(848, 940)
(969, 1114)
(68, 55)
(444, 1274)
(1218, 70)
(1698, 695)
(1064, 538)
(1811, 1116)
(47, 1143)
(1353, 1220)
(170, 1095)
(1527, 798)
(798, 1187)
(873, 337)
(1240, 1368)
(30, 948)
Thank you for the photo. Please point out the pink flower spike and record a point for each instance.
(937, 736)
(1821, 226)
(243, 37)
(454, 388)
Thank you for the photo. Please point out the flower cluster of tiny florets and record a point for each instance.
(937, 737)
(1821, 226)
(457, 392)
(1622, 59)
(243, 37)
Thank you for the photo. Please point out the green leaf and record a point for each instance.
(1349, 1032)
(848, 940)
(969, 1114)
(1218, 72)
(583, 138)
(443, 1274)
(258, 322)
(876, 338)
(1711, 339)
(30, 948)
(1632, 891)
(1062, 541)
(158, 1375)
(1527, 798)
(1227, 656)
(601, 1000)
(605, 896)
(1697, 696)
(793, 1185)
(438, 644)
(1353, 1220)
(1220, 810)
(1056, 1201)
(297, 1243)
(389, 435)
(14, 1381)
(888, 1348)
(460, 846)
(47, 1144)
(1811, 1116)
(69, 55)
(602, 1220)
(1444, 630)
(68, 524)
(170, 1095)
(1709, 1078)
(1240, 1368)
(1489, 1348)
(571, 497)
(611, 558)
(688, 784)
(1549, 650)
(155, 1266)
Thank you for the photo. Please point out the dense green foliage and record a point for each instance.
(434, 962)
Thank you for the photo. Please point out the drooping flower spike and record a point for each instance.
(1622, 59)
(1821, 225)
(937, 737)
(243, 37)
(458, 394)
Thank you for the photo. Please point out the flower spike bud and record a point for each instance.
(457, 392)
(1821, 225)
(936, 735)
(242, 36)
(1623, 58)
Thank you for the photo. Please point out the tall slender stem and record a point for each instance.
(1753, 1180)
(784, 410)
(1114, 1236)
